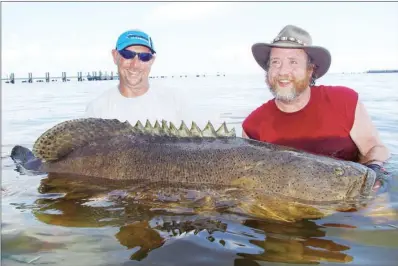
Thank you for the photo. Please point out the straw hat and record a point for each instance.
(294, 37)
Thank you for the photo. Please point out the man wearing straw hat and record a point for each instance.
(325, 120)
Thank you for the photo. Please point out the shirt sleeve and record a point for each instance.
(344, 100)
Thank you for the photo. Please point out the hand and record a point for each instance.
(382, 178)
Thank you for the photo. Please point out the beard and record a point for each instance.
(289, 94)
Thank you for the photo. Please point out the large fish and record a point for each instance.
(166, 165)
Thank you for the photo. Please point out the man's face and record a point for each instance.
(288, 73)
(132, 72)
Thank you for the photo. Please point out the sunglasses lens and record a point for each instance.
(127, 54)
(145, 57)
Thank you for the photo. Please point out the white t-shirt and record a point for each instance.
(156, 104)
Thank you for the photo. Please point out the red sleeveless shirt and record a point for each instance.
(322, 127)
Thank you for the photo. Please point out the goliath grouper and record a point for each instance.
(248, 176)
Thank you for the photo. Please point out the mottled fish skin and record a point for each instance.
(198, 159)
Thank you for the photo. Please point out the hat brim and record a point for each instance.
(319, 55)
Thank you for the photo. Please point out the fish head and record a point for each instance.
(359, 192)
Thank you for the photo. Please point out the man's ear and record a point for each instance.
(115, 55)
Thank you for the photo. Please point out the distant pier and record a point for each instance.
(383, 71)
(64, 77)
(93, 76)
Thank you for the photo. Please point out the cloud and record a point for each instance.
(184, 11)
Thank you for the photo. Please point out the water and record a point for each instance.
(55, 230)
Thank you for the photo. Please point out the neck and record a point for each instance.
(297, 104)
(131, 92)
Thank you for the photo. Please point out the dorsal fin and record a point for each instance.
(165, 129)
(157, 130)
(69, 135)
(195, 130)
(139, 128)
(173, 130)
(64, 137)
(183, 131)
(209, 131)
(231, 133)
(222, 131)
(148, 127)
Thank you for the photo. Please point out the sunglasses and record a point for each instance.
(127, 54)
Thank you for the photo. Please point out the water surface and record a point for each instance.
(55, 229)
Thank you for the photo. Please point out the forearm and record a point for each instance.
(379, 154)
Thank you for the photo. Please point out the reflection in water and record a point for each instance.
(139, 234)
(20, 243)
(300, 242)
(143, 230)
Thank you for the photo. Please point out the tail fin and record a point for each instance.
(21, 155)
(24, 158)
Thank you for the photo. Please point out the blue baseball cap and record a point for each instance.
(134, 37)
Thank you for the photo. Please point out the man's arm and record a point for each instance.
(244, 135)
(366, 137)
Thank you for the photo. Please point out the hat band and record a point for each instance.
(292, 39)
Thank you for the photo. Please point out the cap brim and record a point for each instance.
(319, 55)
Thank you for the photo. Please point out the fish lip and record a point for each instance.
(370, 180)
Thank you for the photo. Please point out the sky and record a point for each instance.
(190, 38)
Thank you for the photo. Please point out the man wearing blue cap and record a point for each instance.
(133, 99)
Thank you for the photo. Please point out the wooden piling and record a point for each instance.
(12, 78)
(79, 76)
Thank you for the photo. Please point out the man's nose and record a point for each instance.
(135, 62)
(285, 68)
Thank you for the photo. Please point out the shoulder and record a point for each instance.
(342, 101)
(336, 92)
(261, 110)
